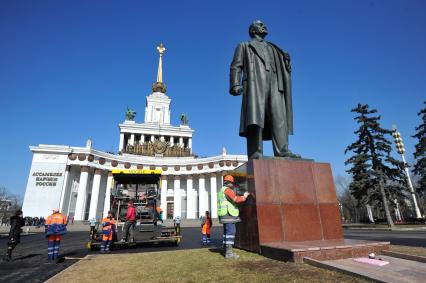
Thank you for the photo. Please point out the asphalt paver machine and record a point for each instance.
(143, 188)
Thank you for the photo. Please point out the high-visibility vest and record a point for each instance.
(56, 224)
(224, 206)
(108, 228)
(206, 226)
(108, 224)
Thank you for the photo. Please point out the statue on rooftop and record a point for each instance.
(130, 114)
(183, 119)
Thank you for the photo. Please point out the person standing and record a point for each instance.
(92, 223)
(56, 226)
(206, 225)
(108, 230)
(16, 223)
(159, 212)
(228, 213)
(176, 223)
(261, 72)
(129, 225)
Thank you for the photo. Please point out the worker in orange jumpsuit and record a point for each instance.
(108, 230)
(206, 224)
(56, 226)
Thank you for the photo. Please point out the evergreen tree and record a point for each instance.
(420, 153)
(374, 171)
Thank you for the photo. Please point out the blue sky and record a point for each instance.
(69, 69)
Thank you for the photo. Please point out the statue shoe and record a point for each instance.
(289, 154)
(256, 155)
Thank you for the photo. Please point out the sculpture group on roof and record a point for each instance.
(158, 147)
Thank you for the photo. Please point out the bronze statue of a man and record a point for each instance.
(260, 71)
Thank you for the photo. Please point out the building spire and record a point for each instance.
(159, 86)
(160, 50)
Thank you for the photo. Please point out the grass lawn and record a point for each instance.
(408, 250)
(199, 265)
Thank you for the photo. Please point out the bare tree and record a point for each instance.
(349, 207)
(9, 203)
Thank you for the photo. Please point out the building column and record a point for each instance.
(64, 189)
(202, 196)
(163, 203)
(120, 147)
(190, 144)
(95, 194)
(142, 139)
(162, 138)
(152, 138)
(176, 197)
(172, 141)
(132, 139)
(107, 202)
(213, 195)
(181, 141)
(190, 201)
(81, 194)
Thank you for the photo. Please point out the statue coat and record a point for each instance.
(248, 70)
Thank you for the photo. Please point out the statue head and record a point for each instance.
(258, 28)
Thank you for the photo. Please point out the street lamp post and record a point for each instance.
(401, 150)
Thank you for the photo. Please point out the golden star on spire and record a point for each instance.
(160, 50)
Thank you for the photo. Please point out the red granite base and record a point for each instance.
(291, 200)
(293, 212)
(321, 250)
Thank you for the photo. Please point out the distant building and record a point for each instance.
(78, 180)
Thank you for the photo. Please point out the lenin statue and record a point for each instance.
(260, 71)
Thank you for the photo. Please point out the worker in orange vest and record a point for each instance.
(159, 213)
(108, 230)
(206, 224)
(56, 226)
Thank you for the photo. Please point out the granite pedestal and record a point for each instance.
(293, 212)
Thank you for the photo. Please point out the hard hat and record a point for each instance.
(228, 178)
(110, 212)
(55, 209)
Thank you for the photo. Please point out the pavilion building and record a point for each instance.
(79, 181)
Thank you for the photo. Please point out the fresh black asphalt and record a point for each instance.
(30, 265)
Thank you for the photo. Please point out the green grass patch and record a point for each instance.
(200, 265)
(419, 251)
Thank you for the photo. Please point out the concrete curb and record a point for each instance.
(320, 264)
(405, 256)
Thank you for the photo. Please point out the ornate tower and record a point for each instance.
(157, 108)
(156, 136)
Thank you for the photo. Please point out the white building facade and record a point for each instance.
(78, 180)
